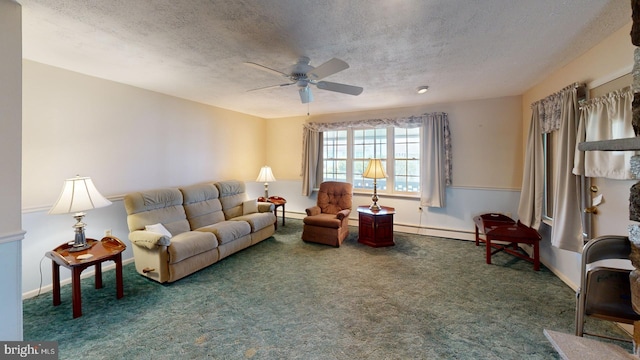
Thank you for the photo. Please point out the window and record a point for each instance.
(549, 150)
(334, 154)
(346, 154)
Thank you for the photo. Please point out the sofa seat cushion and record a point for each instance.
(190, 243)
(258, 221)
(227, 231)
(323, 220)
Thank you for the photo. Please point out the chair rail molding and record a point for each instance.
(11, 237)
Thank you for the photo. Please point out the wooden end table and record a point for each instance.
(277, 202)
(375, 228)
(498, 227)
(108, 249)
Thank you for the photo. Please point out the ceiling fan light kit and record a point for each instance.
(302, 74)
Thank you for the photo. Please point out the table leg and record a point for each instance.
(76, 298)
(55, 271)
(477, 236)
(275, 212)
(283, 214)
(488, 243)
(119, 283)
(536, 256)
(99, 275)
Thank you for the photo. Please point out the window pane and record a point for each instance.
(334, 149)
(407, 160)
(368, 144)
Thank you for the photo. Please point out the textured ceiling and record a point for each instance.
(196, 49)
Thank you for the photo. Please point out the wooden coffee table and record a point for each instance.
(108, 249)
(498, 227)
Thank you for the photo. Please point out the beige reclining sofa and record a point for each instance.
(178, 231)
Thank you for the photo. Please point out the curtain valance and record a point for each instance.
(549, 110)
(412, 121)
(604, 118)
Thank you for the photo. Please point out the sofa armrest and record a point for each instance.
(313, 211)
(343, 214)
(265, 206)
(148, 239)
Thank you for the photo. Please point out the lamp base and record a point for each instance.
(375, 207)
(79, 247)
(80, 242)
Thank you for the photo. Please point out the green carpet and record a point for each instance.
(425, 298)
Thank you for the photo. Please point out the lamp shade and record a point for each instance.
(266, 174)
(78, 194)
(374, 170)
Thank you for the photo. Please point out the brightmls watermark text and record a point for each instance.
(42, 350)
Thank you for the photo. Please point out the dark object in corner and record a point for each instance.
(635, 113)
(635, 28)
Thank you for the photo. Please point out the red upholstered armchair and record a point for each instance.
(328, 221)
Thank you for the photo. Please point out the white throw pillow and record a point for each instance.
(250, 207)
(158, 228)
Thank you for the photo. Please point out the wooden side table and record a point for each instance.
(277, 202)
(375, 228)
(108, 249)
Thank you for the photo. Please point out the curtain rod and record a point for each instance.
(575, 85)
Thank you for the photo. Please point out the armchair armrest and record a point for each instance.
(148, 239)
(313, 211)
(343, 214)
(265, 206)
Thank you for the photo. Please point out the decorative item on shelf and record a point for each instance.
(266, 175)
(78, 195)
(375, 171)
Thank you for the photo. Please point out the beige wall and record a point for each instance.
(486, 140)
(126, 138)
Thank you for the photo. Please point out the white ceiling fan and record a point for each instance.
(303, 75)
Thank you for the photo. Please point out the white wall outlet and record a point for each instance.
(107, 232)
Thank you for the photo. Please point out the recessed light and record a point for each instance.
(422, 89)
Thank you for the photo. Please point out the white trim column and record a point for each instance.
(11, 233)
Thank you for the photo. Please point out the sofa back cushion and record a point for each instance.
(162, 206)
(232, 195)
(202, 205)
(334, 196)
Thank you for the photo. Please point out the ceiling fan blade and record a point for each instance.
(305, 95)
(267, 69)
(328, 68)
(341, 88)
(270, 87)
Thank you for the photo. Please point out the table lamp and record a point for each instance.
(266, 175)
(374, 171)
(78, 195)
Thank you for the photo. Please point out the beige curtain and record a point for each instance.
(532, 193)
(558, 112)
(311, 141)
(436, 165)
(566, 232)
(604, 118)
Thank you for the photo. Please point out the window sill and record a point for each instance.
(394, 195)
